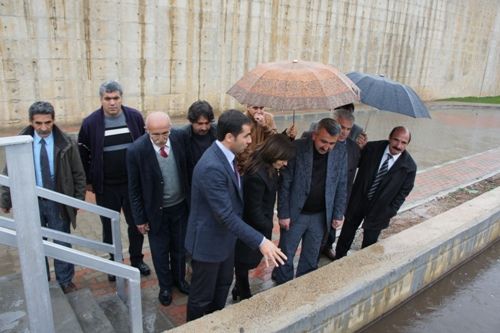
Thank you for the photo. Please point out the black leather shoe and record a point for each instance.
(183, 287)
(329, 253)
(143, 268)
(111, 278)
(165, 297)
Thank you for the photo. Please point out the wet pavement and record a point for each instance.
(466, 300)
(459, 146)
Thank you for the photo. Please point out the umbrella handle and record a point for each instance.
(368, 121)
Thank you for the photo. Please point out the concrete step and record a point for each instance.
(153, 319)
(116, 312)
(13, 313)
(90, 315)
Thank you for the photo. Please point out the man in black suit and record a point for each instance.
(215, 218)
(159, 190)
(385, 177)
(345, 118)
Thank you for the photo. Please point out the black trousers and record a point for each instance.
(210, 285)
(115, 197)
(167, 246)
(351, 224)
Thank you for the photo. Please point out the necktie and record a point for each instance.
(163, 152)
(380, 175)
(45, 166)
(236, 173)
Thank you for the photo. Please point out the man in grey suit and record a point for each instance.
(311, 198)
(215, 221)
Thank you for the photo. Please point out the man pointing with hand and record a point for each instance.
(215, 218)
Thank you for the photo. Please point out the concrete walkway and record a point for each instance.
(430, 183)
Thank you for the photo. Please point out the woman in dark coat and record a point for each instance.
(260, 183)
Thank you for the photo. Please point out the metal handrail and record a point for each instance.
(25, 232)
(114, 216)
(63, 253)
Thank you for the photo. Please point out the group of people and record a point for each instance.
(208, 191)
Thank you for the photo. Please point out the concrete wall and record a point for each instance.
(348, 294)
(169, 53)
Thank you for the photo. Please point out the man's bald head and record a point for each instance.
(158, 126)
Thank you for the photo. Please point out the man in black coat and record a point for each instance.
(386, 176)
(159, 193)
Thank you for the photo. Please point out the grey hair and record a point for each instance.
(41, 107)
(330, 125)
(344, 114)
(109, 87)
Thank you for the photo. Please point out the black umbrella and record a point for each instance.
(387, 95)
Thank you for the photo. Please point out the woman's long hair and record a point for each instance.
(276, 147)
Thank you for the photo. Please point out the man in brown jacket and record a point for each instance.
(57, 167)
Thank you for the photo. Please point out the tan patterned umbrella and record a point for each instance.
(295, 85)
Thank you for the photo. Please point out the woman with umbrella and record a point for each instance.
(260, 183)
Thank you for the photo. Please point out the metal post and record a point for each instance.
(19, 156)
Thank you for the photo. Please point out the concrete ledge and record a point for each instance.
(348, 294)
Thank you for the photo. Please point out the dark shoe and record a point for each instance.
(240, 292)
(111, 278)
(165, 297)
(234, 293)
(183, 287)
(143, 268)
(68, 288)
(329, 253)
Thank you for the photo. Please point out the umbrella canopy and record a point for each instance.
(384, 94)
(295, 85)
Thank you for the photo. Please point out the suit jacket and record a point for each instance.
(145, 180)
(215, 221)
(391, 192)
(296, 182)
(353, 155)
(260, 196)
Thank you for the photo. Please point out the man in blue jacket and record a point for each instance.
(103, 140)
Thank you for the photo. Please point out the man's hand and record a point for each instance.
(362, 139)
(272, 253)
(6, 210)
(143, 228)
(284, 223)
(260, 118)
(291, 132)
(89, 188)
(337, 223)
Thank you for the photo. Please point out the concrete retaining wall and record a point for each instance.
(169, 53)
(348, 294)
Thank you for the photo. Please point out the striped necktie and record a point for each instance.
(380, 175)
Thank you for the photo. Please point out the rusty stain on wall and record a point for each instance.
(199, 48)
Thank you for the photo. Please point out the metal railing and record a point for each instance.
(25, 232)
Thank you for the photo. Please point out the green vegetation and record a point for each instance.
(474, 99)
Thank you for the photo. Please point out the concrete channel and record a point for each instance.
(350, 293)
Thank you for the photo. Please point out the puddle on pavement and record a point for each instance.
(466, 300)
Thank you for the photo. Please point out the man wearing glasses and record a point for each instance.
(158, 189)
(103, 141)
